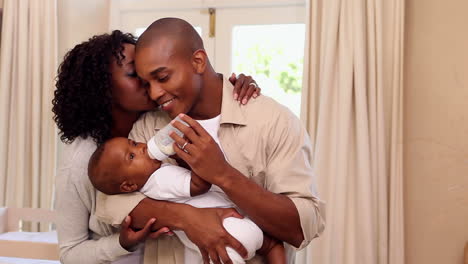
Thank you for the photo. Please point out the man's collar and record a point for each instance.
(231, 111)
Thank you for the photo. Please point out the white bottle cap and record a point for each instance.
(154, 152)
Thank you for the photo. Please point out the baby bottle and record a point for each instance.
(160, 146)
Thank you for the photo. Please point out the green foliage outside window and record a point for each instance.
(262, 60)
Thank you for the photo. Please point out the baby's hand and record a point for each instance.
(129, 238)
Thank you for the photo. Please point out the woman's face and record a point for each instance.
(128, 92)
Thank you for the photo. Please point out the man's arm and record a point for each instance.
(289, 181)
(274, 213)
(286, 207)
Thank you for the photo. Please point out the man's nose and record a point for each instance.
(155, 92)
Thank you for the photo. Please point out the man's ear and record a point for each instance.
(199, 61)
(127, 187)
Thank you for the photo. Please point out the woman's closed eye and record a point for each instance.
(132, 74)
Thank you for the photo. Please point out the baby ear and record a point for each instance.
(127, 187)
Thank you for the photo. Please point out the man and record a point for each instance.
(261, 162)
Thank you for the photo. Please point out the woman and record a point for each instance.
(99, 96)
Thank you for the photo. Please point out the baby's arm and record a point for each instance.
(171, 183)
(198, 185)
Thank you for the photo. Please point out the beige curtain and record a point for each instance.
(28, 64)
(352, 107)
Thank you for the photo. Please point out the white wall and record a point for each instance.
(436, 131)
(78, 20)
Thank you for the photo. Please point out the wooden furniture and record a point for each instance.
(10, 222)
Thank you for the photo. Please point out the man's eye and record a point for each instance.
(163, 79)
(132, 156)
(135, 144)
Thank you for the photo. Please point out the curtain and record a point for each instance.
(352, 108)
(28, 64)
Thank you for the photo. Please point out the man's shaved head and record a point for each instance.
(179, 32)
(174, 67)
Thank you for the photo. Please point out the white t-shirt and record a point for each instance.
(212, 126)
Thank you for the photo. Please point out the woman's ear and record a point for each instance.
(127, 187)
(199, 61)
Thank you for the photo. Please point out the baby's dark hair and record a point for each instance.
(101, 177)
(83, 98)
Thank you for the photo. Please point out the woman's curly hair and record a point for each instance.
(83, 99)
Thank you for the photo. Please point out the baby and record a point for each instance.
(122, 165)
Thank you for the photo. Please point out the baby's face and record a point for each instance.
(132, 160)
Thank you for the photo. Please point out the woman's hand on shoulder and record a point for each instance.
(245, 87)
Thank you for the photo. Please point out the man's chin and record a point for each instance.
(173, 113)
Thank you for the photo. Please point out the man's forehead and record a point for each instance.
(149, 59)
